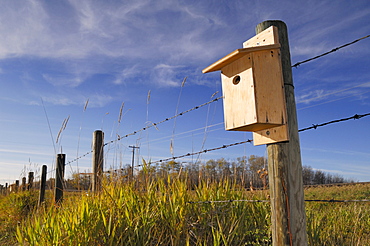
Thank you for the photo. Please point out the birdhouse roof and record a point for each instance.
(235, 55)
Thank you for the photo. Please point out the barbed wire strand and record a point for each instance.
(200, 152)
(315, 126)
(160, 122)
(331, 51)
(315, 200)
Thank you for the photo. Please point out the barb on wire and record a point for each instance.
(326, 53)
(356, 117)
(160, 122)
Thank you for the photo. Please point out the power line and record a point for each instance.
(326, 53)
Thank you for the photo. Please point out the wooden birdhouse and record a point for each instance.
(253, 88)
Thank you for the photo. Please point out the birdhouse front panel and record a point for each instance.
(253, 92)
(238, 93)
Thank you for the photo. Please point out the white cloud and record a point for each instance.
(127, 74)
(63, 80)
(165, 75)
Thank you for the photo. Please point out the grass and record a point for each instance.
(338, 223)
(159, 213)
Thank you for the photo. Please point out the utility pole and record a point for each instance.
(284, 162)
(133, 160)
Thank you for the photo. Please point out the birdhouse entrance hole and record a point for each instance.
(236, 80)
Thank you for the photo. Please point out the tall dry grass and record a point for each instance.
(155, 214)
(158, 212)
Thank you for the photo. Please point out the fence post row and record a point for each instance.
(284, 162)
(59, 177)
(97, 159)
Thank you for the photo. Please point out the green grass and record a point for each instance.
(159, 213)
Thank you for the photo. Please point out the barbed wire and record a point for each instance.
(76, 159)
(199, 152)
(310, 200)
(333, 200)
(225, 201)
(331, 51)
(160, 122)
(356, 116)
(314, 126)
(147, 127)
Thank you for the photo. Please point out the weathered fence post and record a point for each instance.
(97, 159)
(284, 162)
(59, 178)
(30, 181)
(24, 183)
(16, 185)
(42, 185)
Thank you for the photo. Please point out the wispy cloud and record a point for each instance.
(95, 100)
(320, 95)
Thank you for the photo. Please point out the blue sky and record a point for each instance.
(56, 55)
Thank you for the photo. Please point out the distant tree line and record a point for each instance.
(247, 172)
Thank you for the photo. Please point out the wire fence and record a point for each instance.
(216, 99)
(314, 126)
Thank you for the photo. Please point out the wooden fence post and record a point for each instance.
(16, 185)
(59, 178)
(97, 159)
(24, 183)
(30, 181)
(284, 162)
(42, 185)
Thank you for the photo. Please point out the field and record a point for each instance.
(166, 212)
